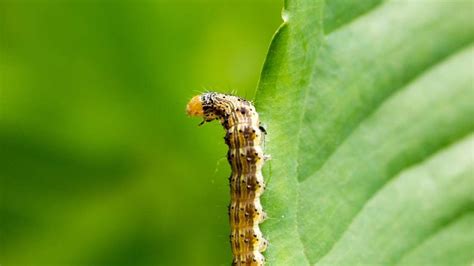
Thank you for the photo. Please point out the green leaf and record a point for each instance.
(369, 112)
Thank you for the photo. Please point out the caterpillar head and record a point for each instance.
(206, 105)
(194, 107)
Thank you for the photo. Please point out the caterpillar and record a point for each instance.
(244, 138)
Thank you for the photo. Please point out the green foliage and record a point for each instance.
(369, 112)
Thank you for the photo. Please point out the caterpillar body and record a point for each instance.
(244, 138)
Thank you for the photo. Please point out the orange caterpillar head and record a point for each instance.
(194, 107)
(207, 106)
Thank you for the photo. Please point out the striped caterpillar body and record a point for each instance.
(244, 138)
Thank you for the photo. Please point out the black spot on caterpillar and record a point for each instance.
(244, 138)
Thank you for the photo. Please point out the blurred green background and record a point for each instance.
(99, 163)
